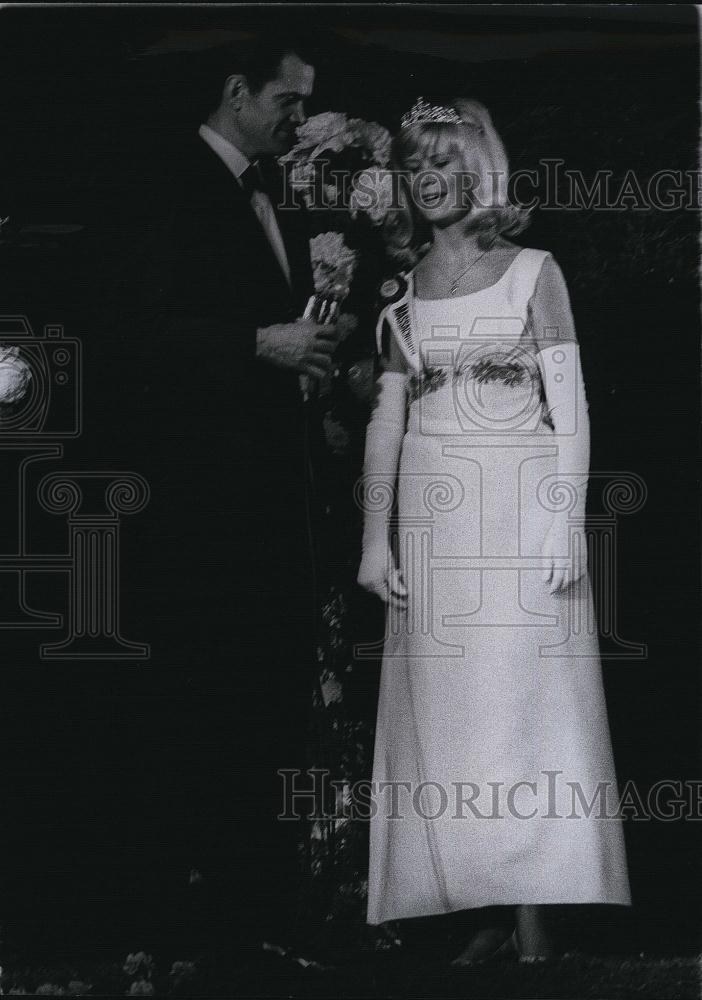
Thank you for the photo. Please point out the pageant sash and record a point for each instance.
(399, 315)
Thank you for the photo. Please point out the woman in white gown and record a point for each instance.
(493, 771)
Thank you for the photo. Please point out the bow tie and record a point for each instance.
(252, 180)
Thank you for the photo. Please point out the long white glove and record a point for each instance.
(386, 429)
(567, 403)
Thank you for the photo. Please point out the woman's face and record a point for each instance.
(439, 183)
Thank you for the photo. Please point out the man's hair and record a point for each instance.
(257, 59)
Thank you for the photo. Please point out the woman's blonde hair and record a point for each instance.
(482, 152)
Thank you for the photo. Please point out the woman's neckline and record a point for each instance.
(468, 295)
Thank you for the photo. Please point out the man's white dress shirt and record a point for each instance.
(237, 163)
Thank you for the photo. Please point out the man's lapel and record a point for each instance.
(293, 229)
(249, 234)
(260, 244)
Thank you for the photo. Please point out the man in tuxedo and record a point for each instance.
(225, 555)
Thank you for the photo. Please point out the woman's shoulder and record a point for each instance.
(533, 253)
(540, 265)
(547, 258)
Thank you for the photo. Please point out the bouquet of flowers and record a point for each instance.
(339, 166)
(333, 266)
(329, 135)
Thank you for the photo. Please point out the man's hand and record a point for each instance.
(303, 347)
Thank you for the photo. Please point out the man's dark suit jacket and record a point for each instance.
(228, 435)
(216, 573)
(219, 577)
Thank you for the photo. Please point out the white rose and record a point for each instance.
(379, 141)
(372, 193)
(302, 175)
(333, 264)
(331, 195)
(15, 374)
(322, 128)
(141, 988)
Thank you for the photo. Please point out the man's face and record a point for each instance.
(269, 118)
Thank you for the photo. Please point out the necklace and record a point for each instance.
(461, 274)
(453, 287)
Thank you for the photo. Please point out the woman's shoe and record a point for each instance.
(487, 945)
(534, 959)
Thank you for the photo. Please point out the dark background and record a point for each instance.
(93, 105)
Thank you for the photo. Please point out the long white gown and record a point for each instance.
(491, 701)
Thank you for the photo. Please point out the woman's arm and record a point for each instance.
(386, 429)
(558, 356)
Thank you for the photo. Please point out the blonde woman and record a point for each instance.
(493, 771)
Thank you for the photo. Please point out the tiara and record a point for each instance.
(425, 112)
